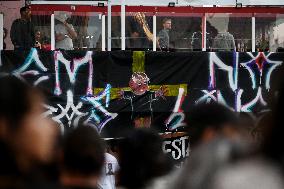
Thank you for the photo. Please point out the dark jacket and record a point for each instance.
(196, 41)
(12, 178)
(22, 34)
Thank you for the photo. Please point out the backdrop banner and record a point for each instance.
(119, 90)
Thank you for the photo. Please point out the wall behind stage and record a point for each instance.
(86, 86)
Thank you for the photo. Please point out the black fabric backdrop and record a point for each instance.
(254, 84)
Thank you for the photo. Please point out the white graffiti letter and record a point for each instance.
(72, 70)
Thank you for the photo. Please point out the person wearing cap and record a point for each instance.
(64, 32)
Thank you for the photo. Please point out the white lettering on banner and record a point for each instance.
(177, 152)
(72, 70)
(26, 68)
(178, 147)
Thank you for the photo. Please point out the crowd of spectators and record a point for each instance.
(226, 150)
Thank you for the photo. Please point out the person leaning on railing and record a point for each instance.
(64, 32)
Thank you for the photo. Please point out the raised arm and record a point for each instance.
(71, 31)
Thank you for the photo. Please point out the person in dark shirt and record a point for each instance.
(164, 35)
(22, 31)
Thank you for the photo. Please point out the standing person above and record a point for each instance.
(196, 40)
(22, 31)
(64, 32)
(5, 31)
(224, 41)
(164, 35)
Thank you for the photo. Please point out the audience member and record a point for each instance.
(64, 32)
(264, 169)
(273, 133)
(109, 172)
(163, 36)
(208, 121)
(83, 158)
(261, 127)
(22, 31)
(27, 140)
(142, 159)
(214, 140)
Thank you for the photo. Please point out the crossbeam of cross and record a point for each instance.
(138, 65)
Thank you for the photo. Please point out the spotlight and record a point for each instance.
(101, 4)
(172, 4)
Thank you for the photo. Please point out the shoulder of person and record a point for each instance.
(231, 36)
(18, 20)
(227, 34)
(162, 33)
(259, 171)
(110, 158)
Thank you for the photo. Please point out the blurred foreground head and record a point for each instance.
(207, 121)
(274, 131)
(23, 131)
(83, 158)
(142, 159)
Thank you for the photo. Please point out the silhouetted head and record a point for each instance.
(29, 135)
(25, 12)
(83, 157)
(273, 135)
(142, 159)
(167, 23)
(205, 121)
